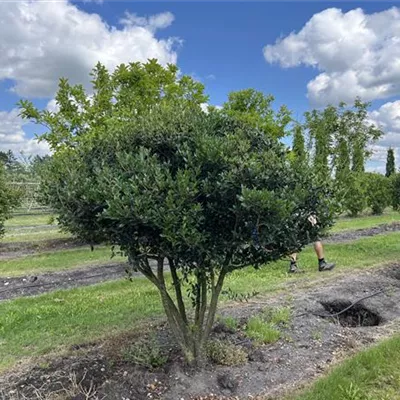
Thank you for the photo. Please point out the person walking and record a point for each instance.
(323, 265)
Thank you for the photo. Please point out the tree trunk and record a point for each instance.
(191, 337)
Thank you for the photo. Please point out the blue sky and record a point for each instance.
(222, 44)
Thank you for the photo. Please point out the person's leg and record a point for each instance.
(293, 263)
(322, 264)
(319, 249)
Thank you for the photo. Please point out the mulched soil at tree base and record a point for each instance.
(307, 347)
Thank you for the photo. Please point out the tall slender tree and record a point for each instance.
(299, 149)
(390, 163)
(321, 126)
(342, 161)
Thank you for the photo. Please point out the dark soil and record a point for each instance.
(355, 316)
(306, 348)
(347, 236)
(11, 288)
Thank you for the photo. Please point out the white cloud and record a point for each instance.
(41, 41)
(93, 1)
(357, 54)
(152, 23)
(52, 106)
(13, 137)
(387, 118)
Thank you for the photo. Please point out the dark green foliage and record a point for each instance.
(395, 190)
(390, 163)
(4, 157)
(166, 181)
(378, 192)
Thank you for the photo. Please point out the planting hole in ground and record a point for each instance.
(358, 315)
(395, 273)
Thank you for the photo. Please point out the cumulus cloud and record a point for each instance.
(13, 137)
(41, 41)
(152, 23)
(357, 54)
(387, 118)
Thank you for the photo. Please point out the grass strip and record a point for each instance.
(56, 261)
(372, 374)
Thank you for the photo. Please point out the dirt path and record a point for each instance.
(11, 288)
(307, 347)
(348, 236)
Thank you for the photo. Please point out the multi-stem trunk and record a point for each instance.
(189, 334)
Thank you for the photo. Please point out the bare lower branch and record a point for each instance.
(178, 289)
(216, 291)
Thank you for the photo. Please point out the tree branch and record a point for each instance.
(215, 290)
(178, 289)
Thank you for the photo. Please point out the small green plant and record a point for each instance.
(230, 322)
(316, 335)
(225, 353)
(51, 220)
(262, 332)
(240, 297)
(146, 353)
(279, 316)
(351, 392)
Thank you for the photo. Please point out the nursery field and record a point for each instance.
(72, 325)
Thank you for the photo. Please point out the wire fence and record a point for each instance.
(30, 203)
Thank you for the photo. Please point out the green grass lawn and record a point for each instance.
(366, 221)
(33, 235)
(31, 227)
(38, 325)
(57, 261)
(373, 374)
(29, 220)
